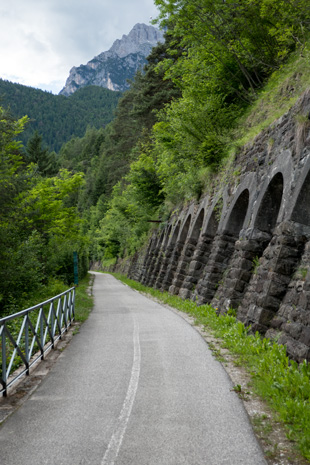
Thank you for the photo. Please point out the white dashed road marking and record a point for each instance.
(118, 435)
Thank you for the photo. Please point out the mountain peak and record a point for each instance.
(113, 68)
(141, 38)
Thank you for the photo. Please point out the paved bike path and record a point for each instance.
(137, 386)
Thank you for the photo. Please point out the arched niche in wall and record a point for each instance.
(211, 229)
(166, 239)
(301, 211)
(175, 234)
(151, 244)
(203, 249)
(152, 256)
(213, 222)
(238, 214)
(198, 225)
(157, 243)
(229, 269)
(160, 239)
(269, 208)
(177, 260)
(223, 248)
(185, 229)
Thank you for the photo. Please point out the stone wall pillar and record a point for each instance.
(222, 249)
(155, 267)
(172, 266)
(291, 324)
(270, 281)
(248, 250)
(163, 265)
(182, 268)
(133, 266)
(196, 266)
(149, 263)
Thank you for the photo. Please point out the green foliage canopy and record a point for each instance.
(217, 56)
(172, 129)
(39, 223)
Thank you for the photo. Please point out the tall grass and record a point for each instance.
(83, 299)
(280, 93)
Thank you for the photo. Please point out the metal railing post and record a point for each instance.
(27, 343)
(72, 309)
(66, 313)
(3, 347)
(52, 323)
(41, 333)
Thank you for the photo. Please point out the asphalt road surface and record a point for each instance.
(137, 386)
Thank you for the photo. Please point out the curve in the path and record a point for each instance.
(137, 386)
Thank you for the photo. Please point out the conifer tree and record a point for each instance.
(36, 153)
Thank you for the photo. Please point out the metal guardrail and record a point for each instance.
(27, 335)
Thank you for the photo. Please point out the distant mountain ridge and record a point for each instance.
(112, 69)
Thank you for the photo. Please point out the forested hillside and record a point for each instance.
(225, 70)
(56, 117)
(39, 224)
(217, 61)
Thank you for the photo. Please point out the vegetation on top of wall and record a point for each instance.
(280, 93)
(228, 63)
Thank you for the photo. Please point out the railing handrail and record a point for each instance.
(30, 309)
(40, 335)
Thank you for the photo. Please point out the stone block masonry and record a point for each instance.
(247, 246)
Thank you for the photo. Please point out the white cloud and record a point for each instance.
(40, 41)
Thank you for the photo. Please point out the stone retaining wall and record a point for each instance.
(247, 246)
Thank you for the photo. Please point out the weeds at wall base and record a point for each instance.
(281, 382)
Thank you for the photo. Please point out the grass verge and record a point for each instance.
(282, 383)
(83, 299)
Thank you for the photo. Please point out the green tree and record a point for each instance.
(47, 206)
(35, 153)
(239, 42)
(136, 113)
(39, 222)
(11, 162)
(133, 205)
(19, 254)
(229, 49)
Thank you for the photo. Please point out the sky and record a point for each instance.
(41, 40)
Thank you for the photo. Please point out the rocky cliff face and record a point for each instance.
(112, 69)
